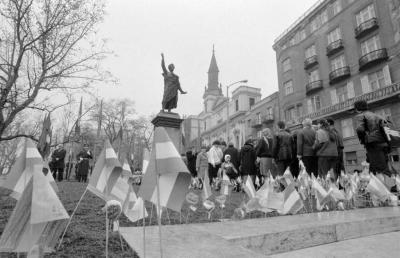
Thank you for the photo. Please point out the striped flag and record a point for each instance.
(320, 193)
(292, 202)
(38, 217)
(249, 188)
(173, 176)
(287, 178)
(206, 193)
(336, 194)
(27, 156)
(133, 207)
(377, 188)
(106, 173)
(398, 183)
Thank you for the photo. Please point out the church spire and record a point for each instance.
(213, 73)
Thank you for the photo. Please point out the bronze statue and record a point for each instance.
(171, 86)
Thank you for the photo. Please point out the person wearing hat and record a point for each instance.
(83, 163)
(57, 160)
(371, 135)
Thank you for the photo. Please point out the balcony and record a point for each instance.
(366, 27)
(268, 118)
(255, 123)
(334, 47)
(339, 74)
(313, 86)
(310, 62)
(372, 58)
(391, 91)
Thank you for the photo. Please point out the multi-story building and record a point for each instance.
(263, 114)
(338, 52)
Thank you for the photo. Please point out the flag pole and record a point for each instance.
(70, 218)
(107, 222)
(144, 230)
(158, 201)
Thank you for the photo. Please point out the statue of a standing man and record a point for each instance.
(171, 86)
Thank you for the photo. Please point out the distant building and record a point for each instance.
(210, 124)
(336, 53)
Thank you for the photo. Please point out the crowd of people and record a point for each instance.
(319, 146)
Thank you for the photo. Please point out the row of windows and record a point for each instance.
(351, 157)
(319, 20)
(334, 35)
(370, 82)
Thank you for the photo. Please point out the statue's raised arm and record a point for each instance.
(171, 86)
(163, 64)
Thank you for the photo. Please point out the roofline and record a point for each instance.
(299, 20)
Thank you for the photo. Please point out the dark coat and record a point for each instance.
(57, 158)
(264, 150)
(191, 162)
(247, 160)
(369, 128)
(234, 153)
(305, 142)
(283, 146)
(83, 165)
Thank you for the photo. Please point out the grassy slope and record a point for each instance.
(86, 234)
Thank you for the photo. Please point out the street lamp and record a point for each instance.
(227, 107)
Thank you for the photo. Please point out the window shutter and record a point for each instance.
(365, 84)
(309, 106)
(350, 90)
(386, 75)
(334, 97)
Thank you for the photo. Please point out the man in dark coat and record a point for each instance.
(191, 157)
(340, 146)
(83, 163)
(371, 135)
(57, 162)
(234, 153)
(248, 161)
(282, 148)
(305, 151)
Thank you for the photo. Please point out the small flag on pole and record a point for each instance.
(320, 193)
(377, 188)
(292, 201)
(287, 177)
(249, 188)
(173, 176)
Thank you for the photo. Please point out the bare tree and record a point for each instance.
(46, 45)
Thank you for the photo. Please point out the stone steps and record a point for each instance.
(267, 236)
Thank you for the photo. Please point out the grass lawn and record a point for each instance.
(86, 234)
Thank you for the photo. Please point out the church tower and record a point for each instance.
(212, 90)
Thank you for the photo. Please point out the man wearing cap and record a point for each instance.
(83, 163)
(57, 160)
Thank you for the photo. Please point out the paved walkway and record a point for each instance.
(268, 236)
(377, 246)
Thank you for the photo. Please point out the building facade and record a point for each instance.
(338, 52)
(212, 123)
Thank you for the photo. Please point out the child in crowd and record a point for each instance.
(228, 172)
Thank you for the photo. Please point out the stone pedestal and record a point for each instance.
(172, 124)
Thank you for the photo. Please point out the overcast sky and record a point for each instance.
(243, 32)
